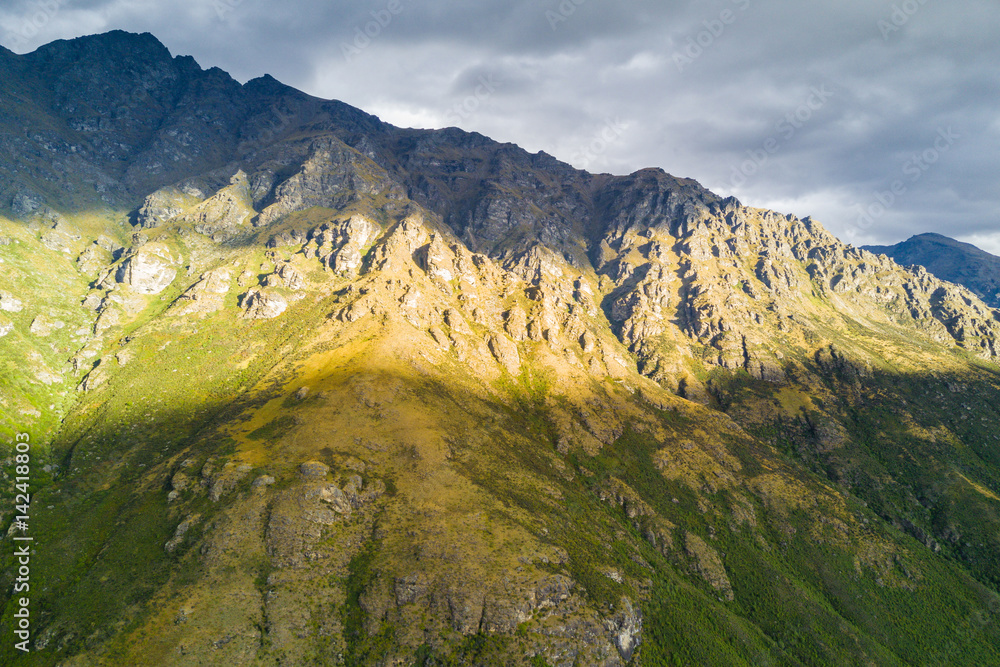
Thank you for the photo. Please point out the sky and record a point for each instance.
(879, 118)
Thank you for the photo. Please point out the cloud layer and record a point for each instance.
(878, 118)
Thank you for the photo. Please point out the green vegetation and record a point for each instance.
(452, 460)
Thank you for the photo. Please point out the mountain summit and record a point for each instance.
(307, 388)
(951, 260)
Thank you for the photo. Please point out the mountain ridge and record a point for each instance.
(314, 389)
(951, 260)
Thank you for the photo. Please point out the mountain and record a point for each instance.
(951, 260)
(307, 388)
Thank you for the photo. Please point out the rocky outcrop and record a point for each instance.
(60, 236)
(506, 353)
(288, 237)
(332, 175)
(226, 479)
(339, 245)
(626, 629)
(93, 260)
(224, 214)
(182, 528)
(314, 470)
(263, 305)
(285, 276)
(162, 206)
(10, 303)
(44, 326)
(25, 202)
(149, 270)
(205, 296)
(706, 561)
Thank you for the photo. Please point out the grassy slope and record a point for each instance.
(817, 577)
(798, 600)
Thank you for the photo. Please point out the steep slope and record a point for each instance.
(312, 389)
(961, 263)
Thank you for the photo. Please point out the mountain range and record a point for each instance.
(951, 260)
(308, 388)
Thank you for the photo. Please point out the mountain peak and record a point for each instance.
(268, 85)
(357, 394)
(115, 43)
(951, 260)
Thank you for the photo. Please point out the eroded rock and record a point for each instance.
(149, 271)
(263, 305)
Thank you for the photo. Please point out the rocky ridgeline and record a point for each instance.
(668, 269)
(669, 264)
(950, 260)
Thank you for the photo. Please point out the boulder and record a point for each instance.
(263, 305)
(10, 303)
(314, 470)
(149, 270)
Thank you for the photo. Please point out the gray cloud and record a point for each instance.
(723, 91)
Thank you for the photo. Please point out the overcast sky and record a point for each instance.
(880, 118)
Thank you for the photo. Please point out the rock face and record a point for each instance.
(206, 295)
(150, 270)
(626, 628)
(263, 305)
(222, 215)
(161, 206)
(339, 245)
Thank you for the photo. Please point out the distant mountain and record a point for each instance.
(960, 263)
(304, 388)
